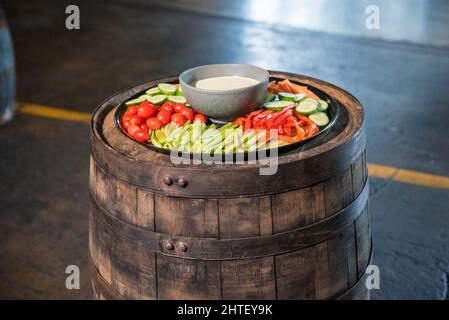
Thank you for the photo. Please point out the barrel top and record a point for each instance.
(315, 161)
(105, 130)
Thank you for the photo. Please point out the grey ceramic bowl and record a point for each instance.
(224, 105)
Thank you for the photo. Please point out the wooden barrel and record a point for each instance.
(196, 231)
(7, 74)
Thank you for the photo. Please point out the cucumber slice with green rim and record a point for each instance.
(157, 99)
(320, 119)
(177, 99)
(307, 107)
(138, 100)
(179, 91)
(153, 91)
(167, 89)
(300, 97)
(277, 105)
(291, 96)
(284, 96)
(323, 105)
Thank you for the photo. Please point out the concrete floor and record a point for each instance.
(401, 81)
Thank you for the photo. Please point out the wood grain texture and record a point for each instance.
(295, 275)
(302, 233)
(245, 217)
(359, 173)
(131, 271)
(248, 279)
(298, 208)
(338, 192)
(187, 279)
(363, 238)
(186, 217)
(148, 241)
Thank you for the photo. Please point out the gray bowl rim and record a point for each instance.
(223, 91)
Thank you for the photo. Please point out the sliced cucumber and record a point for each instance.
(167, 89)
(177, 99)
(300, 97)
(179, 91)
(136, 101)
(307, 107)
(291, 96)
(153, 91)
(323, 105)
(157, 99)
(320, 118)
(287, 96)
(277, 105)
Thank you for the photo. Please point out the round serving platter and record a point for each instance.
(333, 112)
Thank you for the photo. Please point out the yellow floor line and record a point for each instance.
(375, 170)
(421, 179)
(51, 112)
(380, 171)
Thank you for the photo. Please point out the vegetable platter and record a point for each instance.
(162, 119)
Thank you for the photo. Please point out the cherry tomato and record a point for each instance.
(144, 126)
(153, 123)
(126, 124)
(188, 113)
(164, 116)
(200, 117)
(179, 106)
(141, 135)
(132, 129)
(146, 110)
(136, 120)
(179, 119)
(167, 106)
(126, 117)
(131, 111)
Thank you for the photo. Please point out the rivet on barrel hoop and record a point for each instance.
(167, 180)
(181, 246)
(182, 182)
(168, 245)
